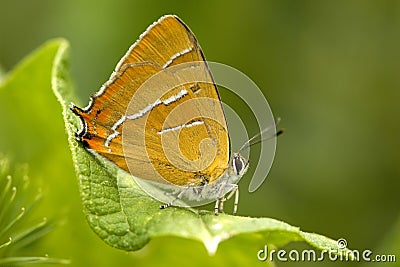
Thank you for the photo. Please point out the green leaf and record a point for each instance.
(125, 217)
(30, 115)
(30, 120)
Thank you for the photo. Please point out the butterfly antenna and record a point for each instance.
(253, 141)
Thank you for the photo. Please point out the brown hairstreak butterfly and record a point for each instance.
(166, 130)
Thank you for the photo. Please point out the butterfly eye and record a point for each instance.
(239, 165)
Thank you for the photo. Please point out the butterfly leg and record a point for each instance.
(179, 196)
(236, 202)
(235, 191)
(219, 203)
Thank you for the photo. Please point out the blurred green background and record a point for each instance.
(329, 69)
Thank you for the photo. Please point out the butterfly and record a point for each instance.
(170, 129)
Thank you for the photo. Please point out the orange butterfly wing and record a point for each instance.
(155, 119)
